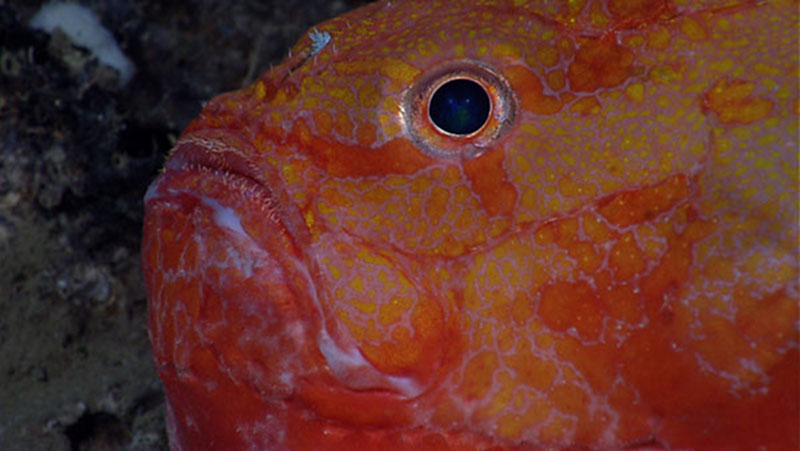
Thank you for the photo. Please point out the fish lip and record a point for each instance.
(214, 152)
(221, 153)
(241, 191)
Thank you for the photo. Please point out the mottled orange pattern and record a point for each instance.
(611, 261)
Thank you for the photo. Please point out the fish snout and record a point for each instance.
(228, 291)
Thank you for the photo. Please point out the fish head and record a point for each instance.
(488, 224)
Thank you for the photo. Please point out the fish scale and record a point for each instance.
(609, 261)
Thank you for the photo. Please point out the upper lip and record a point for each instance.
(223, 154)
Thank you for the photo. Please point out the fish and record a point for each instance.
(490, 225)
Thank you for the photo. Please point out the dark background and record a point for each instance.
(76, 155)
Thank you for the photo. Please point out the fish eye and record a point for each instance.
(458, 109)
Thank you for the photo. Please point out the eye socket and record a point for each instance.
(458, 109)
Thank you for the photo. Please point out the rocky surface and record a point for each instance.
(76, 155)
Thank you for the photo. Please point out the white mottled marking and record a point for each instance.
(224, 217)
(350, 367)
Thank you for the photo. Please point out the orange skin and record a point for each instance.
(611, 261)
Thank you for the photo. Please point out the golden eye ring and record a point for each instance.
(481, 109)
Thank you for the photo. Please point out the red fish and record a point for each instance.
(479, 224)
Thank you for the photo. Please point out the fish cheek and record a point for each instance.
(374, 309)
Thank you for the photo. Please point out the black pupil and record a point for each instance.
(459, 107)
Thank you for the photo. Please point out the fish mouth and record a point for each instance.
(220, 155)
(215, 172)
(243, 224)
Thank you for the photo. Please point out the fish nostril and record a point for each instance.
(459, 107)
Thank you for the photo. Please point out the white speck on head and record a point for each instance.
(83, 29)
(318, 40)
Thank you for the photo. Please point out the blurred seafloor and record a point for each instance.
(76, 155)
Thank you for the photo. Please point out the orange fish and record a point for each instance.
(490, 224)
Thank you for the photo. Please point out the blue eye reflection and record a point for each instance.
(459, 107)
